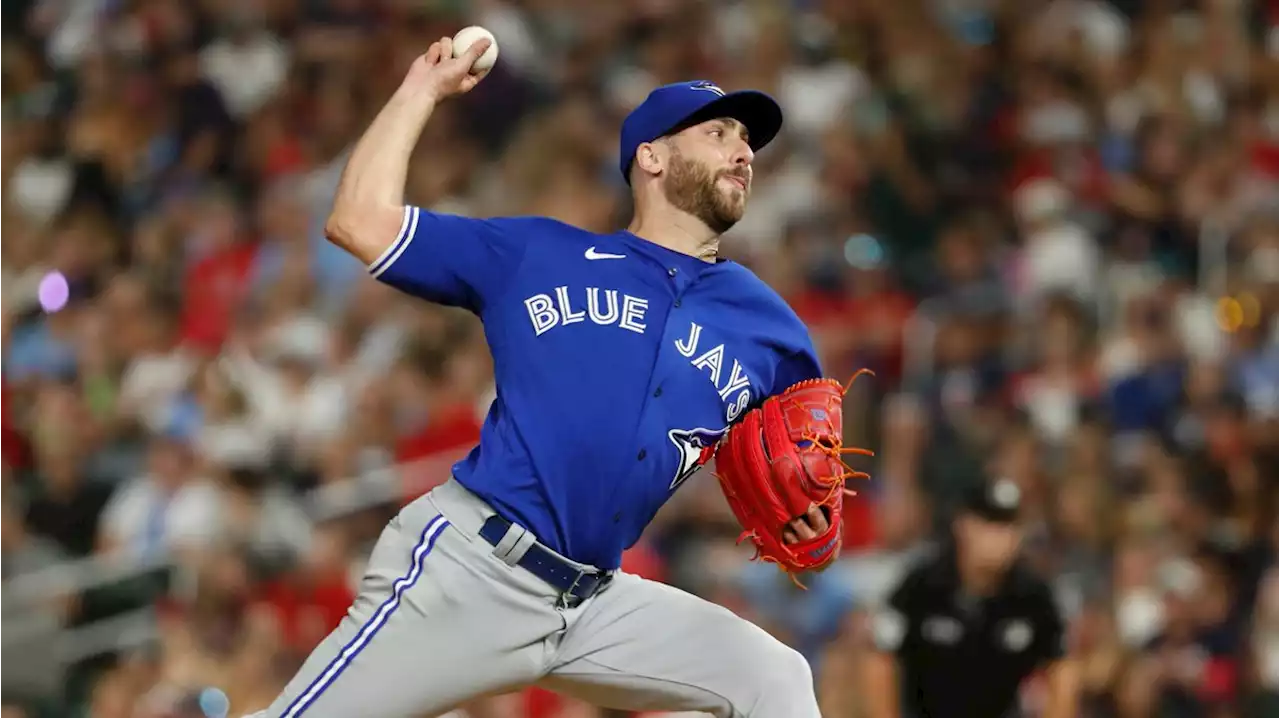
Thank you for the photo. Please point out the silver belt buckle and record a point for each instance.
(567, 594)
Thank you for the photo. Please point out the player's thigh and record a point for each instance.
(428, 630)
(643, 645)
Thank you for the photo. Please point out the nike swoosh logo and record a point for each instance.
(591, 253)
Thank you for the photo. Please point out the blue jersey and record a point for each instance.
(617, 362)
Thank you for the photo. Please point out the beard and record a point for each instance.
(691, 188)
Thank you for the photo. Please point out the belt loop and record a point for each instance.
(503, 548)
(515, 543)
(521, 547)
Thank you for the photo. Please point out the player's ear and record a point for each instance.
(649, 158)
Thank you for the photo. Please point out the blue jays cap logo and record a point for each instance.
(706, 86)
(670, 105)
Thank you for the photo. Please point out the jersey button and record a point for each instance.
(657, 392)
(617, 518)
(640, 456)
(671, 272)
(677, 304)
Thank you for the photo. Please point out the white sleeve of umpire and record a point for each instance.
(888, 628)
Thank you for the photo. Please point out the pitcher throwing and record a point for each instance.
(622, 362)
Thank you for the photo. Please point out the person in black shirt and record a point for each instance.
(968, 623)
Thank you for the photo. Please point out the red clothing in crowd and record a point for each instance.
(285, 157)
(641, 560)
(427, 455)
(1079, 170)
(539, 703)
(214, 287)
(1265, 159)
(871, 325)
(16, 451)
(449, 428)
(860, 527)
(308, 612)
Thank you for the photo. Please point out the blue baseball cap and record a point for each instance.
(673, 107)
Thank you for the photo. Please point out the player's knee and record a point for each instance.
(794, 675)
(785, 682)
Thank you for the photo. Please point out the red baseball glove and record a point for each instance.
(781, 459)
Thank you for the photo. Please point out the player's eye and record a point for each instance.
(717, 132)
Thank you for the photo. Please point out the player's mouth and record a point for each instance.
(741, 182)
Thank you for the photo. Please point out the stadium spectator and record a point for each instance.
(170, 508)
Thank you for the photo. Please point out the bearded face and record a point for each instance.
(718, 198)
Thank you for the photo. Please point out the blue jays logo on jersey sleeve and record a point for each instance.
(696, 446)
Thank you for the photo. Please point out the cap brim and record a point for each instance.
(758, 112)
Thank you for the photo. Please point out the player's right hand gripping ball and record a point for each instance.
(781, 458)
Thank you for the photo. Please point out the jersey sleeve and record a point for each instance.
(451, 260)
(801, 364)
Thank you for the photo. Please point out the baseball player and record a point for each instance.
(620, 360)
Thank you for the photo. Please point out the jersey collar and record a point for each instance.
(670, 257)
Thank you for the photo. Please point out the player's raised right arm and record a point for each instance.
(369, 210)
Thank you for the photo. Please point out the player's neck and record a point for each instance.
(678, 232)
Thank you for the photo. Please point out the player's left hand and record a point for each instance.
(806, 528)
(783, 475)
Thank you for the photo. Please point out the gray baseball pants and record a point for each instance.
(442, 619)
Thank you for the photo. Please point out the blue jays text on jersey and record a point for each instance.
(618, 364)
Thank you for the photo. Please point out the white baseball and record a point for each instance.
(469, 36)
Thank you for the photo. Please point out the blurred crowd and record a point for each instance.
(1048, 225)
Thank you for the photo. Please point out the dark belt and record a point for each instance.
(575, 585)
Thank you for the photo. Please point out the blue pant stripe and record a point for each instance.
(430, 533)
